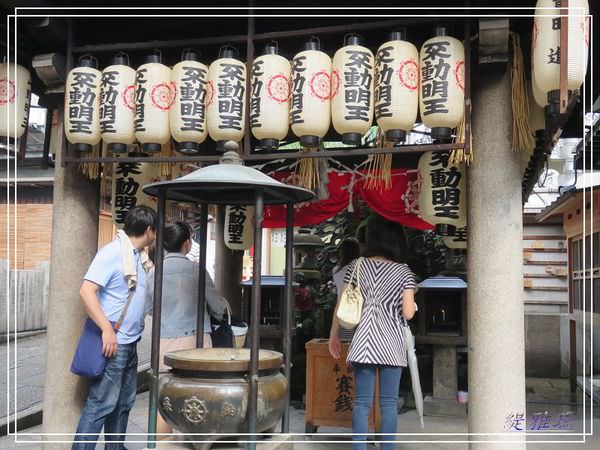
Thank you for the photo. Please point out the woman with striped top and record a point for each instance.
(377, 348)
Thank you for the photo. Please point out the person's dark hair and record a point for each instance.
(175, 236)
(348, 251)
(138, 219)
(152, 252)
(385, 238)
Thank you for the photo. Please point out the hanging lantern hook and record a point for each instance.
(124, 55)
(190, 50)
(354, 39)
(159, 53)
(227, 48)
(89, 57)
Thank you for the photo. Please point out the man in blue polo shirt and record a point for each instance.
(104, 293)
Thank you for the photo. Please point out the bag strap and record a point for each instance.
(122, 316)
(356, 272)
(228, 315)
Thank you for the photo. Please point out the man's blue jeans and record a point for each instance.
(389, 383)
(109, 401)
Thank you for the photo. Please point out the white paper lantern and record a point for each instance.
(457, 240)
(270, 97)
(546, 47)
(442, 92)
(396, 87)
(443, 194)
(310, 110)
(540, 97)
(15, 95)
(127, 182)
(239, 231)
(226, 111)
(82, 105)
(154, 96)
(117, 104)
(537, 116)
(352, 100)
(188, 114)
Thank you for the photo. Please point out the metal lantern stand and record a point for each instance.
(228, 183)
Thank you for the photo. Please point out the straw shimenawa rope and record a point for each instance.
(522, 137)
(92, 170)
(379, 167)
(307, 172)
(458, 156)
(165, 168)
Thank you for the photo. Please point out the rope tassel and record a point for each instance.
(522, 136)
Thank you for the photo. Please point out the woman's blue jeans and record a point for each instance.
(389, 384)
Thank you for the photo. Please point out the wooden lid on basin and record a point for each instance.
(221, 359)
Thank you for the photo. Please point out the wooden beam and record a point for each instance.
(249, 62)
(467, 85)
(241, 38)
(564, 56)
(405, 149)
(47, 133)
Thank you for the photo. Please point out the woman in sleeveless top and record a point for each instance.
(378, 349)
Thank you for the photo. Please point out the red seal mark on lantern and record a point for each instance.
(459, 74)
(210, 92)
(320, 85)
(7, 91)
(586, 31)
(535, 34)
(163, 95)
(278, 88)
(408, 72)
(129, 96)
(335, 83)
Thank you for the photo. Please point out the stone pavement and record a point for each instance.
(31, 371)
(543, 395)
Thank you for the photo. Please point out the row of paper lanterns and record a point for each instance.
(192, 101)
(307, 95)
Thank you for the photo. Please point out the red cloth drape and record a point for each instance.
(398, 204)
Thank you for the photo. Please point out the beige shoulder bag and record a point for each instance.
(350, 307)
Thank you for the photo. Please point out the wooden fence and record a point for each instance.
(31, 305)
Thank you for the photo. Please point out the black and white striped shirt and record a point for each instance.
(378, 337)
